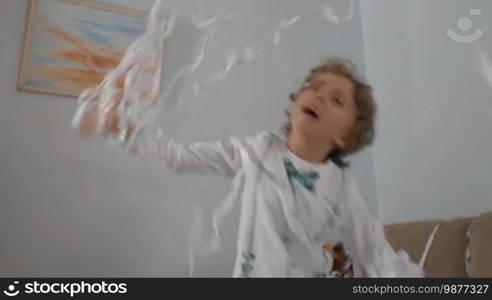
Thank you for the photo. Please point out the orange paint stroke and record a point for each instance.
(96, 58)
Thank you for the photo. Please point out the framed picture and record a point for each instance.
(70, 45)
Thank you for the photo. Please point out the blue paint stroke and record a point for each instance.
(93, 35)
(39, 83)
(44, 59)
(116, 28)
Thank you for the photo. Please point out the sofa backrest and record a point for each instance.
(480, 258)
(446, 256)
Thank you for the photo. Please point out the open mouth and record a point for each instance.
(310, 112)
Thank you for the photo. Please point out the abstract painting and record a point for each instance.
(71, 44)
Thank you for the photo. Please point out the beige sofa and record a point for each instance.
(462, 247)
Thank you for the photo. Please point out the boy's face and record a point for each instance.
(325, 109)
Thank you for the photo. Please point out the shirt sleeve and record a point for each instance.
(364, 237)
(217, 158)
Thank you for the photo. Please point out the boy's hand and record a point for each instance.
(91, 116)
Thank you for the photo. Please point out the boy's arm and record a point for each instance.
(222, 158)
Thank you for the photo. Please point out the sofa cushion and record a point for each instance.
(410, 236)
(480, 246)
(446, 257)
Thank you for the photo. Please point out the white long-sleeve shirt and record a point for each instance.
(283, 227)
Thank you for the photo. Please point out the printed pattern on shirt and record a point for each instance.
(247, 264)
(342, 262)
(307, 179)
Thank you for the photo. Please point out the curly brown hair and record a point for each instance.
(362, 132)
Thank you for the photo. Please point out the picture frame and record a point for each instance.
(70, 45)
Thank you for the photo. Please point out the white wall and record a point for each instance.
(71, 207)
(432, 155)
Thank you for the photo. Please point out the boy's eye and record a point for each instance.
(337, 100)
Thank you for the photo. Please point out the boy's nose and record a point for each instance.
(319, 98)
